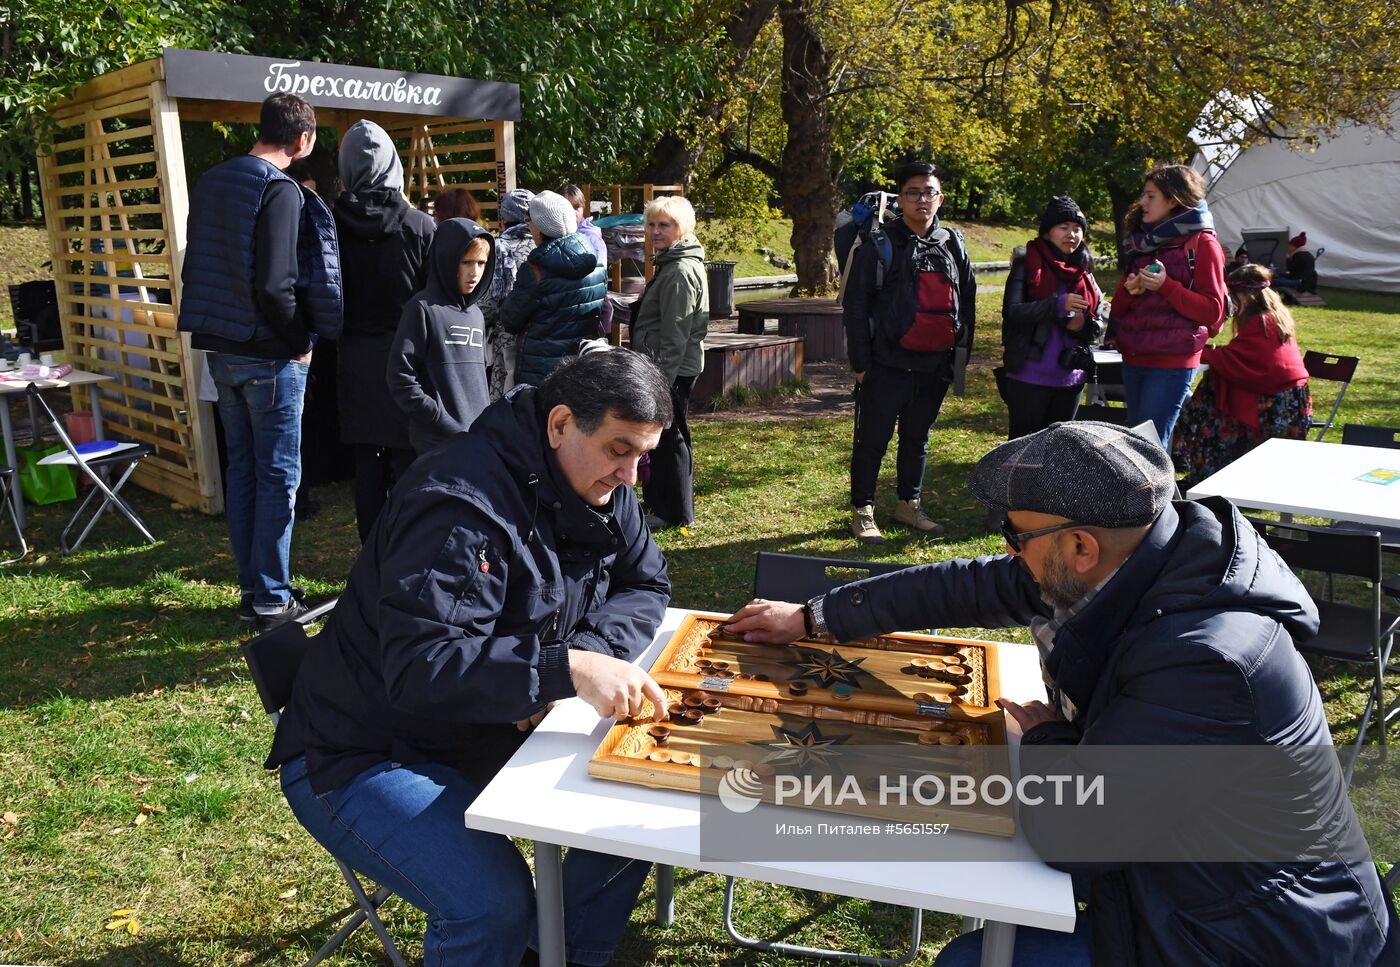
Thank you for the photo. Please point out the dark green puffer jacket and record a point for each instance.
(556, 302)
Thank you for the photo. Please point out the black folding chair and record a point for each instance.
(1334, 369)
(273, 660)
(9, 485)
(108, 470)
(794, 577)
(1348, 633)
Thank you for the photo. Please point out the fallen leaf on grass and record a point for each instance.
(287, 894)
(125, 920)
(140, 819)
(10, 818)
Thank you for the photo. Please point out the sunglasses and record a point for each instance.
(1016, 539)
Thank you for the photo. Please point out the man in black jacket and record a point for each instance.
(910, 308)
(1159, 625)
(511, 571)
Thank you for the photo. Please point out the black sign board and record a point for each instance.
(237, 77)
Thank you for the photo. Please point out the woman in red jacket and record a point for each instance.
(1172, 295)
(1256, 386)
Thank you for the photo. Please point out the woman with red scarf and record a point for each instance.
(1256, 387)
(1050, 318)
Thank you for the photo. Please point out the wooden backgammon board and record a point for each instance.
(736, 705)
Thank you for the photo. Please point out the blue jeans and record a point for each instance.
(260, 403)
(402, 827)
(1034, 948)
(1156, 395)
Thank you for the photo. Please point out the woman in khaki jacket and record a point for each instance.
(669, 325)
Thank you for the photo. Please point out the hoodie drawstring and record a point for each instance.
(533, 482)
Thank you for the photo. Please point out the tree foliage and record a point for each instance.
(49, 47)
(599, 80)
(1116, 85)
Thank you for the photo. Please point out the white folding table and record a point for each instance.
(544, 793)
(1312, 478)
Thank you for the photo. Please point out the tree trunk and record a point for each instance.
(1122, 197)
(809, 187)
(26, 196)
(673, 157)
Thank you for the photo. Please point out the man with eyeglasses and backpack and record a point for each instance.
(910, 304)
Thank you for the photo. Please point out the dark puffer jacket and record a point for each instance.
(556, 303)
(219, 297)
(481, 574)
(1191, 642)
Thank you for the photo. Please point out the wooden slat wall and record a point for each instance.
(115, 206)
(451, 152)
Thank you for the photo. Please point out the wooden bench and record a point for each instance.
(754, 362)
(819, 322)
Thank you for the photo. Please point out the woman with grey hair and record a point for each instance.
(669, 324)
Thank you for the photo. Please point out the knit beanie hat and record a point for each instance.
(1062, 208)
(515, 206)
(1299, 240)
(552, 214)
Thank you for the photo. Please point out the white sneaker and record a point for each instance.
(910, 514)
(863, 525)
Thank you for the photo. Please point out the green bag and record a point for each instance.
(44, 485)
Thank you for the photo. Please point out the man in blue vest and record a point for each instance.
(261, 279)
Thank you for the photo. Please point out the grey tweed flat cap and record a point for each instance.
(1091, 473)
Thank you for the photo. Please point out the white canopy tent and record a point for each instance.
(1345, 194)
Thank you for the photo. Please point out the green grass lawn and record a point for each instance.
(130, 768)
(24, 250)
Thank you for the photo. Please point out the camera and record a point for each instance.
(1078, 356)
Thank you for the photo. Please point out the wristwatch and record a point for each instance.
(812, 615)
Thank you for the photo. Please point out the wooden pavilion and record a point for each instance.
(116, 204)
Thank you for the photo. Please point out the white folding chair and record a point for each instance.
(100, 462)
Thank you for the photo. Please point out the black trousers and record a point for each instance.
(670, 493)
(886, 398)
(377, 469)
(1030, 408)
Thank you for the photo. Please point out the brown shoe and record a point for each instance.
(863, 525)
(910, 514)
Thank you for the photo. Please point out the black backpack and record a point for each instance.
(864, 223)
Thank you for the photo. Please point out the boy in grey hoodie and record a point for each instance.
(437, 365)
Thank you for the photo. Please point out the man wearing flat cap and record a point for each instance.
(1158, 623)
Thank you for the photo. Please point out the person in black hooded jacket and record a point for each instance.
(384, 253)
(437, 365)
